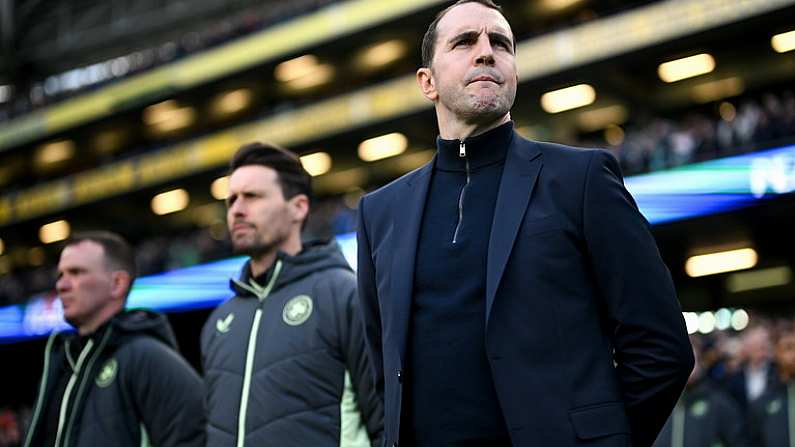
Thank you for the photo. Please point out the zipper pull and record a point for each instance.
(462, 150)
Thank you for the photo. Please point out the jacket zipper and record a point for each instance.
(462, 153)
(97, 352)
(69, 386)
(251, 350)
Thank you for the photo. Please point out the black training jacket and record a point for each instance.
(128, 387)
(285, 362)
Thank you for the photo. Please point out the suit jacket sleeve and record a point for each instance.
(168, 396)
(368, 301)
(652, 351)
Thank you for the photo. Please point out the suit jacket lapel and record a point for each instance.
(408, 209)
(522, 165)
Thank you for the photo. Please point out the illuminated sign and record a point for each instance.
(689, 191)
(714, 186)
(197, 287)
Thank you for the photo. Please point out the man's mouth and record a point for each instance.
(240, 226)
(484, 79)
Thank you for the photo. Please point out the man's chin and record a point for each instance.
(251, 250)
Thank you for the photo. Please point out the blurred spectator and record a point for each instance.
(10, 430)
(756, 372)
(771, 415)
(705, 415)
(656, 143)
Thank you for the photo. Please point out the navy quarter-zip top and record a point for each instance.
(450, 396)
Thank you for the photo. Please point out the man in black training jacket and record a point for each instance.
(119, 380)
(285, 361)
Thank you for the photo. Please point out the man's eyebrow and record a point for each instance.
(464, 36)
(494, 35)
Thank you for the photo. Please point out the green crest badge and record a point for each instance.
(774, 406)
(222, 325)
(297, 310)
(107, 373)
(699, 408)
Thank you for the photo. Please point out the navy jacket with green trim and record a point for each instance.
(129, 387)
(285, 361)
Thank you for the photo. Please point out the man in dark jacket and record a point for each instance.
(284, 360)
(512, 293)
(772, 416)
(119, 381)
(705, 416)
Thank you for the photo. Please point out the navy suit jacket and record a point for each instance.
(584, 334)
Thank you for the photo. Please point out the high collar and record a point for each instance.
(481, 150)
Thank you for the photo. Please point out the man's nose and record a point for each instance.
(236, 208)
(62, 284)
(484, 51)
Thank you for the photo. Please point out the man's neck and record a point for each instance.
(92, 326)
(459, 130)
(260, 264)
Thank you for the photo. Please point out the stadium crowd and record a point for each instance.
(733, 127)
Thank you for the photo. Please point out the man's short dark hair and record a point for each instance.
(118, 253)
(290, 173)
(429, 39)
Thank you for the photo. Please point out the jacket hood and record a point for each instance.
(315, 256)
(142, 321)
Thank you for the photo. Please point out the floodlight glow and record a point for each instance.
(723, 319)
(706, 322)
(295, 68)
(783, 42)
(220, 188)
(168, 116)
(382, 54)
(740, 320)
(232, 101)
(686, 67)
(691, 321)
(317, 163)
(170, 201)
(55, 152)
(721, 262)
(568, 98)
(54, 231)
(384, 146)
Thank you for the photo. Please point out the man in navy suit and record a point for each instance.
(511, 291)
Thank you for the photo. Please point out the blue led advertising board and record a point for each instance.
(689, 191)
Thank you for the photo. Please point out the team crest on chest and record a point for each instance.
(107, 373)
(297, 310)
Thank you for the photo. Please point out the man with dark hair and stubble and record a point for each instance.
(284, 360)
(512, 293)
(119, 380)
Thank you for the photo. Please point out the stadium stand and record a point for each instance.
(100, 113)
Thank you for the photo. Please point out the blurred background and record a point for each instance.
(123, 114)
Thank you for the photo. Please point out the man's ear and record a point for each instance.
(427, 84)
(120, 284)
(299, 207)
